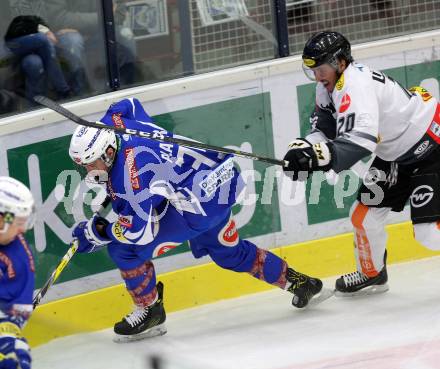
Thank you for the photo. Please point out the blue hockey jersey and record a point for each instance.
(148, 176)
(17, 281)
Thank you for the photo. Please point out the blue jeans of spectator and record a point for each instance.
(38, 61)
(70, 48)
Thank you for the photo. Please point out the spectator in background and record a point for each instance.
(29, 38)
(77, 23)
(8, 101)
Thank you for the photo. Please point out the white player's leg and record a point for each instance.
(428, 234)
(370, 240)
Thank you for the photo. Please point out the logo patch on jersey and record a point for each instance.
(421, 196)
(309, 62)
(117, 120)
(423, 92)
(219, 176)
(340, 83)
(228, 236)
(164, 248)
(345, 103)
(118, 232)
(131, 164)
(434, 131)
(421, 148)
(126, 220)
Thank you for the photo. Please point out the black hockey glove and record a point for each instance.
(305, 158)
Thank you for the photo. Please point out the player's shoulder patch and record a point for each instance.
(340, 82)
(423, 92)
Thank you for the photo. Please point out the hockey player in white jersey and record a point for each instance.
(359, 112)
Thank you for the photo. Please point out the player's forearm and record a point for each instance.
(344, 154)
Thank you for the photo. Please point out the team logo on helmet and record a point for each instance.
(345, 103)
(309, 62)
(77, 160)
(81, 132)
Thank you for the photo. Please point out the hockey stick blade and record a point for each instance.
(48, 103)
(325, 294)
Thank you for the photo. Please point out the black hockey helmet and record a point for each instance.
(326, 47)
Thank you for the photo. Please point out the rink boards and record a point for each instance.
(203, 284)
(257, 108)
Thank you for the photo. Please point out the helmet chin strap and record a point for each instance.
(108, 161)
(8, 219)
(5, 228)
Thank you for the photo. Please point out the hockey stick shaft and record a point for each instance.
(60, 267)
(56, 273)
(48, 103)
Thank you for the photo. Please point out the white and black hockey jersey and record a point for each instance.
(373, 114)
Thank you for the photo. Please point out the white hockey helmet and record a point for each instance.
(90, 144)
(16, 201)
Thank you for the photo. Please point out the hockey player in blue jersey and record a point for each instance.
(16, 272)
(165, 194)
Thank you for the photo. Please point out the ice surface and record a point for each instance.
(397, 329)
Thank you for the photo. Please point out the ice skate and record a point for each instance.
(307, 291)
(143, 322)
(358, 284)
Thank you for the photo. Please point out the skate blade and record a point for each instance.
(158, 330)
(325, 294)
(371, 290)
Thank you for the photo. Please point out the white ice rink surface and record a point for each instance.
(398, 329)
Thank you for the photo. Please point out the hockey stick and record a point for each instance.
(56, 273)
(60, 267)
(48, 103)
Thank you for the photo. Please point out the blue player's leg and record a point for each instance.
(227, 250)
(148, 316)
(139, 276)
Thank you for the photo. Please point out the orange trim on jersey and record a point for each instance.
(363, 244)
(28, 252)
(9, 265)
